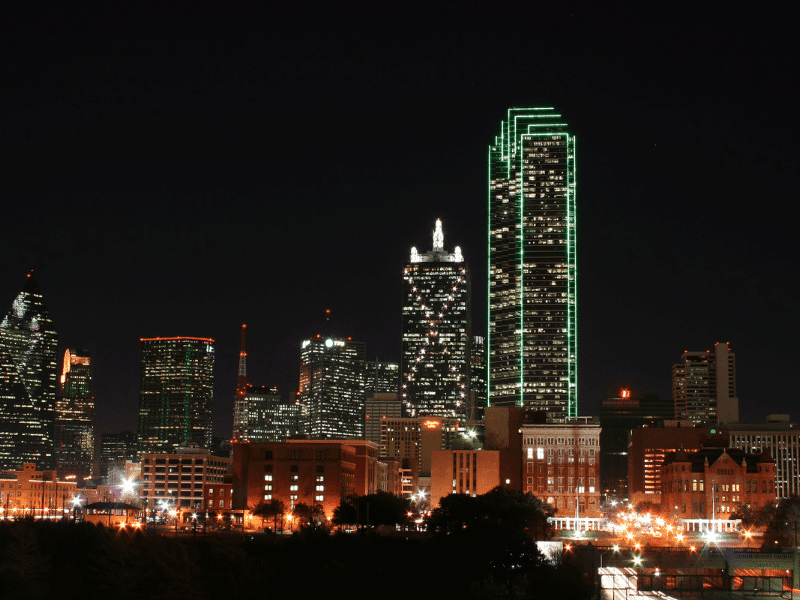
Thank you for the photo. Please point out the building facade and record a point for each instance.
(619, 415)
(381, 377)
(314, 472)
(181, 479)
(28, 492)
(713, 483)
(28, 381)
(532, 338)
(704, 386)
(378, 407)
(469, 472)
(649, 446)
(177, 392)
(75, 416)
(562, 465)
(116, 449)
(331, 392)
(781, 438)
(261, 416)
(437, 332)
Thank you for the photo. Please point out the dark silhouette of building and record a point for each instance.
(619, 415)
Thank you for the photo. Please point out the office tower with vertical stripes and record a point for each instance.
(176, 394)
(532, 337)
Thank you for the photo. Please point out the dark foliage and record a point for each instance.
(69, 560)
(783, 528)
(381, 508)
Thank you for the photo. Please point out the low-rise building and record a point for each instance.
(470, 472)
(562, 464)
(33, 493)
(178, 479)
(314, 472)
(713, 483)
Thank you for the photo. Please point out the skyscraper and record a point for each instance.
(437, 332)
(176, 394)
(75, 416)
(262, 417)
(28, 372)
(704, 386)
(331, 392)
(533, 351)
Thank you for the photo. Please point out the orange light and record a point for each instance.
(431, 424)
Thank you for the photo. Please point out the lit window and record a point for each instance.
(319, 498)
(293, 488)
(267, 496)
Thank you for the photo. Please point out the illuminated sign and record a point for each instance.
(430, 424)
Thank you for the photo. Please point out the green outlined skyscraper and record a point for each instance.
(533, 351)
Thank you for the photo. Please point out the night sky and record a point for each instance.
(182, 168)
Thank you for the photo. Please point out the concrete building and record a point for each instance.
(412, 441)
(331, 388)
(704, 386)
(562, 464)
(781, 438)
(314, 472)
(178, 479)
(378, 407)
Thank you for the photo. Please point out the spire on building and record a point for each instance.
(438, 237)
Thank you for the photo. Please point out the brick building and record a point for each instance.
(29, 492)
(470, 472)
(313, 472)
(180, 478)
(562, 464)
(647, 449)
(714, 482)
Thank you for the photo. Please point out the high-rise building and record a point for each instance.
(619, 414)
(116, 449)
(176, 394)
(331, 391)
(381, 377)
(28, 376)
(533, 351)
(263, 417)
(704, 386)
(75, 416)
(781, 438)
(437, 332)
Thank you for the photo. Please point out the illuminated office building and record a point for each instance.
(28, 376)
(331, 391)
(75, 416)
(262, 417)
(533, 352)
(704, 386)
(437, 332)
(381, 377)
(176, 394)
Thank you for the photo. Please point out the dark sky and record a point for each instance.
(181, 168)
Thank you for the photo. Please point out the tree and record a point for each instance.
(303, 514)
(784, 526)
(346, 513)
(271, 508)
(381, 508)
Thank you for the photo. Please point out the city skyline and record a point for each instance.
(260, 168)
